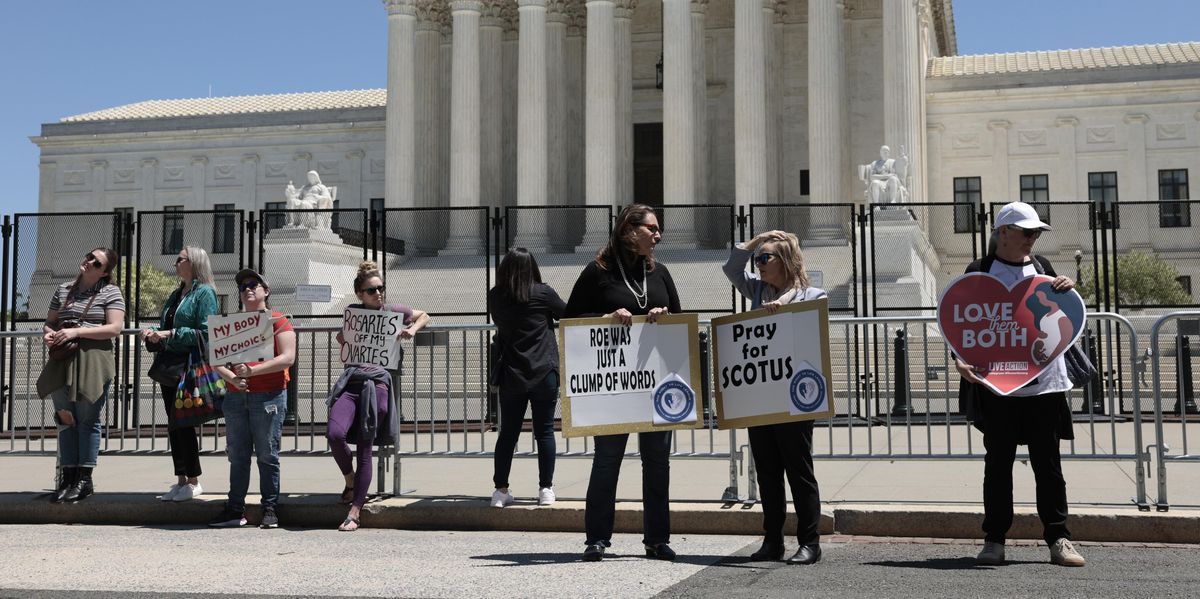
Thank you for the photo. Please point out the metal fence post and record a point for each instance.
(7, 231)
(900, 404)
(1185, 393)
(1093, 393)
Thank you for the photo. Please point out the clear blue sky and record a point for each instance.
(65, 57)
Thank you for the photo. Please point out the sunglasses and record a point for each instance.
(652, 228)
(1029, 233)
(763, 258)
(93, 260)
(248, 285)
(180, 260)
(373, 290)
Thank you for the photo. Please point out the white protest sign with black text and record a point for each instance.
(371, 337)
(773, 368)
(241, 337)
(622, 379)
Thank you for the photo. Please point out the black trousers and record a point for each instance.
(1031, 420)
(185, 446)
(780, 449)
(601, 506)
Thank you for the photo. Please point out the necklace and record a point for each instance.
(641, 298)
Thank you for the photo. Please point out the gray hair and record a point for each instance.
(201, 267)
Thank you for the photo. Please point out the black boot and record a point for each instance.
(82, 487)
(66, 479)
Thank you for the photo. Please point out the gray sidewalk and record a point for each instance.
(878, 498)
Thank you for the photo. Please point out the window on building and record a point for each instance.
(805, 188)
(1173, 185)
(1035, 191)
(172, 231)
(967, 199)
(224, 229)
(273, 216)
(1102, 191)
(1185, 281)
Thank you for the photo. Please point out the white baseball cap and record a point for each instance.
(1019, 214)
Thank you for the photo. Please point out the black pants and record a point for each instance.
(1009, 421)
(543, 397)
(185, 447)
(787, 449)
(601, 507)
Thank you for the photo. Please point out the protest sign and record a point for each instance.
(1010, 334)
(773, 368)
(241, 337)
(371, 337)
(627, 379)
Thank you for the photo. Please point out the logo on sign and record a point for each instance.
(673, 401)
(807, 390)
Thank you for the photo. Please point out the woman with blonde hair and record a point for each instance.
(183, 326)
(356, 415)
(785, 447)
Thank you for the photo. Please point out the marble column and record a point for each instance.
(623, 40)
(749, 118)
(149, 181)
(1003, 182)
(249, 180)
(199, 171)
(1068, 188)
(1136, 224)
(902, 73)
(679, 156)
(491, 91)
(601, 114)
(576, 57)
(825, 120)
(771, 91)
(699, 105)
(424, 237)
(465, 123)
(400, 118)
(532, 132)
(509, 83)
(557, 193)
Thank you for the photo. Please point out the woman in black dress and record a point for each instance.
(622, 282)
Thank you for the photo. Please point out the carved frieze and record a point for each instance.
(1101, 135)
(1170, 132)
(277, 169)
(74, 177)
(174, 172)
(1031, 137)
(965, 141)
(123, 175)
(225, 172)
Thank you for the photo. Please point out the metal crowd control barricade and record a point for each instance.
(1184, 384)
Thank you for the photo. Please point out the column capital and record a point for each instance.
(400, 7)
(1066, 121)
(492, 13)
(429, 14)
(782, 11)
(149, 162)
(699, 6)
(623, 9)
(556, 12)
(248, 157)
(1136, 117)
(577, 15)
(457, 6)
(533, 3)
(998, 124)
(509, 16)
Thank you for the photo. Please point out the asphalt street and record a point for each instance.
(50, 561)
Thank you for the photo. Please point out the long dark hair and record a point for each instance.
(518, 272)
(621, 242)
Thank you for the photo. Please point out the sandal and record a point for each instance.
(347, 496)
(345, 527)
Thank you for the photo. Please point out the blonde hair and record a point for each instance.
(787, 249)
(366, 270)
(201, 267)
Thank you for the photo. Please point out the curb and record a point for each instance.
(474, 513)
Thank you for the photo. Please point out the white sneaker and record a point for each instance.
(546, 496)
(188, 492)
(501, 498)
(170, 494)
(992, 554)
(1063, 553)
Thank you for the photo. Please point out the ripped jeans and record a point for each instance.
(254, 421)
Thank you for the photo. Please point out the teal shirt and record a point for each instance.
(191, 317)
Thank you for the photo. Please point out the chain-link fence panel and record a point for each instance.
(563, 254)
(1157, 255)
(437, 260)
(914, 250)
(828, 236)
(161, 235)
(695, 243)
(47, 250)
(310, 258)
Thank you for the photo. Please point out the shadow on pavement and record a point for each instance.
(944, 563)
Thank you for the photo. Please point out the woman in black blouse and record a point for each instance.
(622, 282)
(524, 309)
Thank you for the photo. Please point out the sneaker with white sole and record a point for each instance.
(501, 498)
(228, 518)
(546, 496)
(1063, 553)
(188, 492)
(992, 554)
(170, 494)
(269, 519)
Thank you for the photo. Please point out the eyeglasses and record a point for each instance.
(373, 290)
(1029, 233)
(180, 260)
(652, 228)
(93, 260)
(763, 258)
(248, 285)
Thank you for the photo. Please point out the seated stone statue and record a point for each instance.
(313, 196)
(885, 178)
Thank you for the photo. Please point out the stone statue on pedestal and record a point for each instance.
(885, 178)
(313, 196)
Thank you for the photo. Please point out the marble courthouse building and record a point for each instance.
(603, 102)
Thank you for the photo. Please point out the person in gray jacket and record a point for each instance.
(786, 447)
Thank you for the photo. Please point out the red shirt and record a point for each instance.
(272, 381)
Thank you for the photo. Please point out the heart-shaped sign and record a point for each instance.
(1009, 334)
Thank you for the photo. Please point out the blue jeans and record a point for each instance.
(543, 397)
(254, 421)
(78, 445)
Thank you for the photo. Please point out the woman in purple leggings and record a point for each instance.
(361, 404)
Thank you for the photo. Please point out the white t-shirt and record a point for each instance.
(1053, 378)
